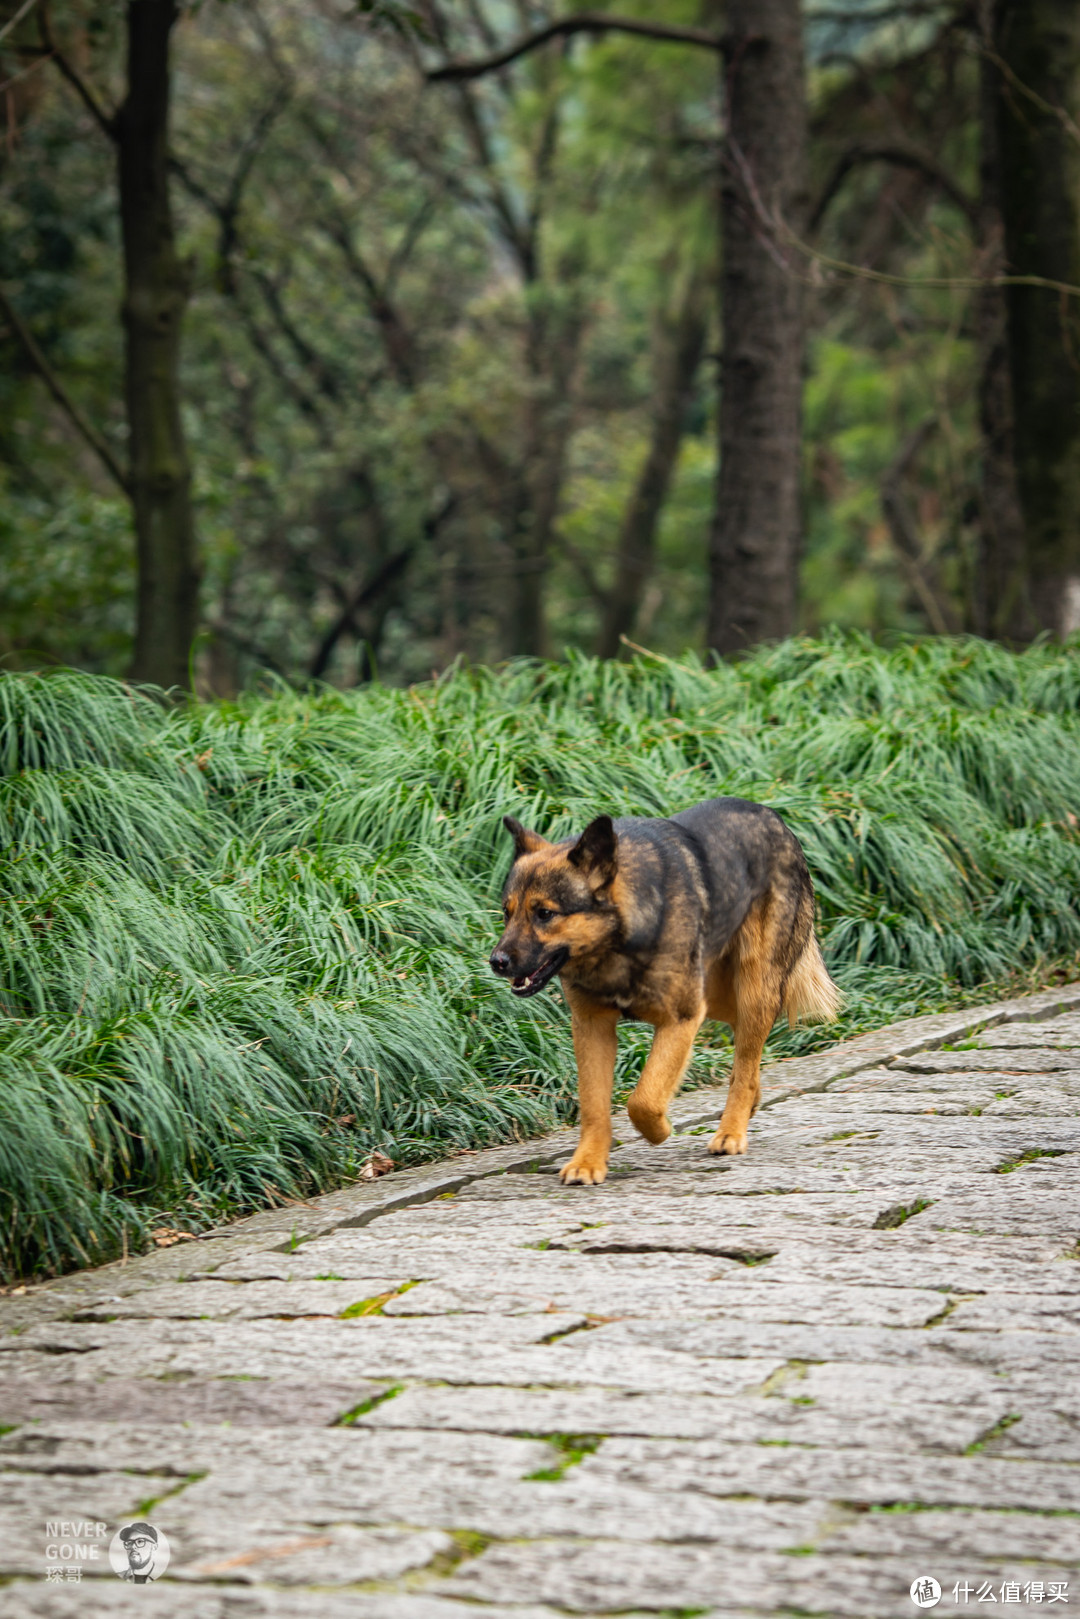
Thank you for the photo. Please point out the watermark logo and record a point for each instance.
(926, 1592)
(1014, 1591)
(72, 1544)
(139, 1553)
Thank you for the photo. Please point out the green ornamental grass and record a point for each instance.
(242, 945)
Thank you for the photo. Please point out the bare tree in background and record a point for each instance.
(1036, 51)
(637, 537)
(755, 538)
(156, 290)
(555, 319)
(156, 287)
(1001, 598)
(754, 546)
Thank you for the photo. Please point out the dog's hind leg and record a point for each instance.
(672, 1046)
(757, 992)
(744, 1092)
(595, 1046)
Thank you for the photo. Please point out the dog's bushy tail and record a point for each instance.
(810, 995)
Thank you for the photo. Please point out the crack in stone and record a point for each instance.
(775, 1382)
(588, 1325)
(745, 1255)
(1031, 1156)
(995, 1431)
(572, 1449)
(898, 1213)
(347, 1418)
(145, 1508)
(943, 1315)
(377, 1304)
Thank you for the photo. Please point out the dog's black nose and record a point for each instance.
(500, 963)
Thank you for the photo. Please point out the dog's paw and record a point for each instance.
(728, 1142)
(655, 1127)
(583, 1171)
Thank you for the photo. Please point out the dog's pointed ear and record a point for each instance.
(595, 853)
(525, 842)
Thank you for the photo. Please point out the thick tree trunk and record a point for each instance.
(1039, 113)
(637, 539)
(754, 545)
(1000, 607)
(155, 293)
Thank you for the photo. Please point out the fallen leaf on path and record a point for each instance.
(378, 1164)
(165, 1236)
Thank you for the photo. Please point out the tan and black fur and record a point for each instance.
(707, 914)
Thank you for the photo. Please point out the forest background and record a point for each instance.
(446, 356)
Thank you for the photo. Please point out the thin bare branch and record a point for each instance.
(305, 402)
(583, 22)
(945, 282)
(401, 255)
(321, 371)
(105, 121)
(586, 572)
(227, 210)
(192, 185)
(545, 159)
(381, 581)
(504, 79)
(776, 230)
(905, 157)
(397, 340)
(241, 642)
(85, 428)
(13, 22)
(1048, 107)
(482, 25)
(900, 13)
(24, 72)
(905, 530)
(249, 151)
(514, 233)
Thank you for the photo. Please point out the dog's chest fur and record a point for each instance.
(644, 987)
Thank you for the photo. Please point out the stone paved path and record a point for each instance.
(786, 1384)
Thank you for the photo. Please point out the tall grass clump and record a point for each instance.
(243, 945)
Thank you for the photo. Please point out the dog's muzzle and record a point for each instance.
(527, 984)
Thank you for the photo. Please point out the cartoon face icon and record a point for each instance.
(139, 1553)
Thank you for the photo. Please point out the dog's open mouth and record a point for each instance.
(533, 982)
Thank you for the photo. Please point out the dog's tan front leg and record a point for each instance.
(595, 1045)
(664, 1068)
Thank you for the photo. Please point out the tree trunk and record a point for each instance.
(1039, 111)
(1001, 607)
(155, 293)
(754, 543)
(637, 539)
(556, 324)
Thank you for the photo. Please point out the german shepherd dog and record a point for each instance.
(707, 914)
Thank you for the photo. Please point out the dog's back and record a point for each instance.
(754, 864)
(745, 851)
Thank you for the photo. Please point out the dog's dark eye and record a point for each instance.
(542, 914)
